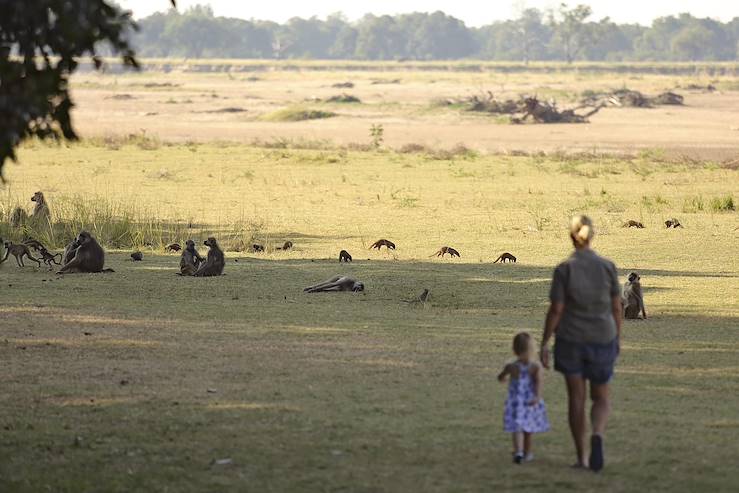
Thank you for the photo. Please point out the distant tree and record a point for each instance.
(693, 43)
(533, 35)
(571, 29)
(41, 42)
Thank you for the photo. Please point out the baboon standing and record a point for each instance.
(632, 298)
(673, 223)
(190, 259)
(216, 261)
(19, 251)
(89, 257)
(286, 246)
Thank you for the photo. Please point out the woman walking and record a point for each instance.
(585, 317)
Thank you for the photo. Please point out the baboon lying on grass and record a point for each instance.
(336, 283)
(89, 256)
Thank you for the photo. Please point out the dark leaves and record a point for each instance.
(34, 96)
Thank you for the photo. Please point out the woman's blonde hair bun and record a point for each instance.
(581, 229)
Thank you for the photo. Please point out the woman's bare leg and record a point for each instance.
(576, 413)
(600, 396)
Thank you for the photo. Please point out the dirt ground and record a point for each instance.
(194, 107)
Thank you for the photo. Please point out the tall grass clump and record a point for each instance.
(694, 204)
(297, 114)
(723, 204)
(118, 225)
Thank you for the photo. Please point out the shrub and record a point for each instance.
(723, 204)
(297, 114)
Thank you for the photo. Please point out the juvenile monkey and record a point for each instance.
(336, 283)
(173, 247)
(444, 250)
(286, 246)
(505, 257)
(137, 256)
(19, 251)
(632, 298)
(50, 258)
(386, 243)
(632, 224)
(215, 262)
(190, 259)
(47, 257)
(89, 257)
(344, 256)
(256, 247)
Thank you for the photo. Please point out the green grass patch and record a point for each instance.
(297, 114)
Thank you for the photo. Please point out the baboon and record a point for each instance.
(344, 256)
(190, 259)
(173, 247)
(256, 247)
(336, 283)
(41, 209)
(215, 262)
(18, 218)
(19, 251)
(386, 243)
(632, 298)
(89, 256)
(137, 257)
(69, 251)
(673, 223)
(286, 246)
(505, 257)
(47, 257)
(632, 224)
(444, 250)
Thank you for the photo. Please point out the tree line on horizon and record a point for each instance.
(562, 34)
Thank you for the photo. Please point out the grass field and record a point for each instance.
(144, 381)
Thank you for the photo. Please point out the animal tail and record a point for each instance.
(107, 270)
(498, 259)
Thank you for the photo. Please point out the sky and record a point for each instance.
(472, 12)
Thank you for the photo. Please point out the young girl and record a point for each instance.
(525, 412)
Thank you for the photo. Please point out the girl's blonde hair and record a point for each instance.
(581, 230)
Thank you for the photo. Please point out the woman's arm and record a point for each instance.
(554, 315)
